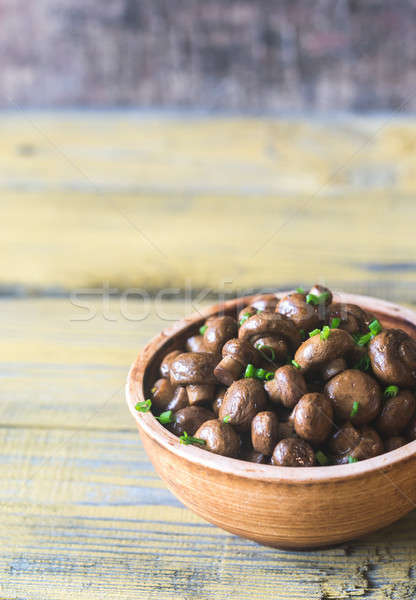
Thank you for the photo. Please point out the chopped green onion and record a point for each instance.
(363, 364)
(364, 339)
(314, 332)
(300, 290)
(250, 371)
(269, 375)
(375, 327)
(244, 318)
(335, 323)
(391, 391)
(325, 333)
(313, 299)
(296, 364)
(153, 390)
(354, 409)
(143, 406)
(260, 373)
(356, 336)
(352, 459)
(189, 439)
(262, 348)
(165, 417)
(203, 329)
(322, 458)
(227, 418)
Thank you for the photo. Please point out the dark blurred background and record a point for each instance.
(259, 55)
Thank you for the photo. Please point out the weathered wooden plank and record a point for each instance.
(86, 517)
(228, 203)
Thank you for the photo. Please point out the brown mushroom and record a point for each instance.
(274, 351)
(354, 395)
(219, 438)
(287, 386)
(195, 344)
(294, 307)
(265, 302)
(316, 352)
(162, 393)
(349, 443)
(269, 325)
(354, 319)
(393, 357)
(313, 418)
(333, 367)
(218, 400)
(286, 429)
(179, 399)
(411, 430)
(167, 361)
(293, 452)
(237, 354)
(393, 443)
(189, 419)
(246, 312)
(195, 370)
(320, 291)
(396, 413)
(264, 432)
(242, 401)
(218, 331)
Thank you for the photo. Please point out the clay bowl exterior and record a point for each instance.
(277, 506)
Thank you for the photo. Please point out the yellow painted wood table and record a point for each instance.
(123, 201)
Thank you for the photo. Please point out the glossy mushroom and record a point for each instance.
(393, 357)
(242, 401)
(295, 307)
(236, 355)
(396, 413)
(287, 386)
(316, 352)
(219, 437)
(355, 396)
(265, 432)
(162, 393)
(268, 327)
(350, 443)
(353, 318)
(195, 370)
(167, 361)
(292, 452)
(179, 399)
(313, 418)
(195, 344)
(189, 419)
(218, 331)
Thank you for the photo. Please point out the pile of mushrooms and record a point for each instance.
(297, 381)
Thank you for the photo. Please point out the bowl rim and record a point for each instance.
(150, 426)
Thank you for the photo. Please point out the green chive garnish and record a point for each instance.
(375, 327)
(300, 290)
(364, 339)
(260, 373)
(352, 459)
(250, 371)
(363, 364)
(227, 418)
(244, 318)
(314, 332)
(143, 406)
(313, 299)
(391, 391)
(335, 323)
(354, 409)
(188, 439)
(269, 375)
(166, 417)
(325, 333)
(296, 364)
(203, 329)
(261, 348)
(321, 458)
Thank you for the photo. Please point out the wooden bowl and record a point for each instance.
(277, 506)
